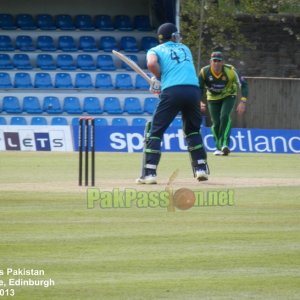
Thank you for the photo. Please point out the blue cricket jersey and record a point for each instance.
(176, 63)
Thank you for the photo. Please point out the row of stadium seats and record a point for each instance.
(68, 43)
(75, 121)
(70, 53)
(43, 61)
(81, 22)
(73, 105)
(43, 80)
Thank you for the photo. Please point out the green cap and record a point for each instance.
(217, 55)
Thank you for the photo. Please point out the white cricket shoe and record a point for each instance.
(202, 171)
(201, 175)
(218, 153)
(149, 179)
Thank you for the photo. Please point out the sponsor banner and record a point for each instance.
(130, 139)
(36, 138)
(259, 140)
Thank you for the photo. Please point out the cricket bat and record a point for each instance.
(132, 64)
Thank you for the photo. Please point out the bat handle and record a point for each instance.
(171, 207)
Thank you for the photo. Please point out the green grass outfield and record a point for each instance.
(249, 250)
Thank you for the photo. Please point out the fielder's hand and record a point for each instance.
(155, 86)
(241, 108)
(202, 106)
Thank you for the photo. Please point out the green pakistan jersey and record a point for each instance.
(222, 85)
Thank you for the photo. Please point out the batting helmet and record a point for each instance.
(165, 31)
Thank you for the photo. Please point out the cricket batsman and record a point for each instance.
(175, 80)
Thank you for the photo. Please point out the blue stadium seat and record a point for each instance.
(72, 105)
(85, 62)
(129, 44)
(24, 43)
(25, 22)
(132, 105)
(87, 43)
(123, 23)
(52, 105)
(31, 105)
(65, 62)
(84, 22)
(103, 81)
(148, 42)
(123, 82)
(43, 81)
(83, 81)
(141, 83)
(119, 122)
(105, 62)
(64, 22)
(63, 81)
(75, 122)
(134, 58)
(101, 122)
(59, 121)
(91, 105)
(142, 23)
(11, 105)
(21, 61)
(5, 62)
(139, 122)
(5, 81)
(18, 121)
(112, 105)
(177, 122)
(104, 22)
(3, 121)
(45, 62)
(23, 81)
(6, 43)
(67, 43)
(7, 22)
(150, 104)
(108, 43)
(38, 121)
(45, 22)
(45, 43)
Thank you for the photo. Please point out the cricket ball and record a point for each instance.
(184, 199)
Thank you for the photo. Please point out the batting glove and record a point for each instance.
(155, 86)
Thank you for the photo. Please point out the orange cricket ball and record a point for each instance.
(184, 199)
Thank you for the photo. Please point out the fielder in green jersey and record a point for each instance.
(222, 83)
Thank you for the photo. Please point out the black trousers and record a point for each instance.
(184, 99)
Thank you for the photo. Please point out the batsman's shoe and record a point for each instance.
(218, 153)
(202, 172)
(225, 150)
(149, 179)
(201, 175)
